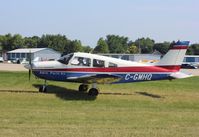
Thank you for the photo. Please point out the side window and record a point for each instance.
(111, 65)
(81, 61)
(98, 63)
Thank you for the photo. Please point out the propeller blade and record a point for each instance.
(30, 65)
(30, 62)
(29, 74)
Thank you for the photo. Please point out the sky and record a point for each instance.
(88, 20)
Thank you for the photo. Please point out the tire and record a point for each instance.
(83, 88)
(18, 61)
(93, 92)
(43, 89)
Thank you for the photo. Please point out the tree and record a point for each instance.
(5, 41)
(146, 45)
(117, 44)
(74, 46)
(17, 41)
(101, 47)
(56, 42)
(44, 41)
(31, 42)
(162, 47)
(1, 42)
(133, 49)
(190, 51)
(195, 49)
(87, 49)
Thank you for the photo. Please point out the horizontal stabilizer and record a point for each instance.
(179, 75)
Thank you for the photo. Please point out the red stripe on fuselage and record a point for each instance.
(121, 69)
(179, 47)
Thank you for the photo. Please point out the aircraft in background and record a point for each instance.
(86, 68)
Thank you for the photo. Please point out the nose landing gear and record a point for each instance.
(43, 88)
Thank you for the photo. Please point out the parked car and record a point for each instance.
(16, 61)
(188, 66)
(24, 61)
(1, 59)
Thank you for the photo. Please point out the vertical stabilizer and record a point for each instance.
(174, 57)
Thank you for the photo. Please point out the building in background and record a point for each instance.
(193, 59)
(136, 57)
(3, 55)
(155, 57)
(41, 53)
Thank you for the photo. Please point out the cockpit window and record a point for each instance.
(81, 61)
(65, 59)
(98, 63)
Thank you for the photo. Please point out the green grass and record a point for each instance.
(160, 108)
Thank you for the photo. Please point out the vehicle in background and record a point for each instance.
(24, 61)
(188, 66)
(16, 61)
(1, 59)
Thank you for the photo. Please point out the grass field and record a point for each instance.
(161, 108)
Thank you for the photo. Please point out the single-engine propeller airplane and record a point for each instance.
(95, 69)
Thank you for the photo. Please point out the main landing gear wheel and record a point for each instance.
(93, 92)
(83, 88)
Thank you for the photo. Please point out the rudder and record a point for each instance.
(174, 57)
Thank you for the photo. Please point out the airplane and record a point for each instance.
(87, 68)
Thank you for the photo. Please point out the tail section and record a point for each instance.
(174, 57)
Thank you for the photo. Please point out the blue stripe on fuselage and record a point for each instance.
(125, 77)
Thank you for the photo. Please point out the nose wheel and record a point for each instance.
(43, 88)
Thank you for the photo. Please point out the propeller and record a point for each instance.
(30, 66)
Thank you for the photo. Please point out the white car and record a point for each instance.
(1, 59)
(24, 61)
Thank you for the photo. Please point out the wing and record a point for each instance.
(96, 78)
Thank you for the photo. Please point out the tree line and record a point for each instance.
(109, 44)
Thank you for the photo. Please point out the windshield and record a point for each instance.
(65, 59)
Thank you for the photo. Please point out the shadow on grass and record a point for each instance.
(70, 94)
(149, 94)
(67, 94)
(18, 91)
(112, 93)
